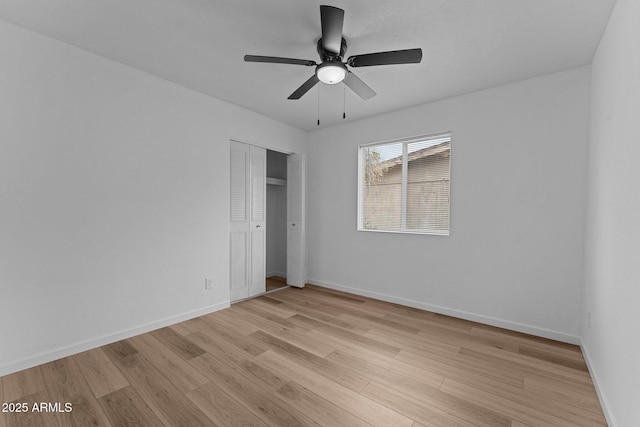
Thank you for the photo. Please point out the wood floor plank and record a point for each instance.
(345, 306)
(299, 298)
(235, 372)
(341, 374)
(346, 335)
(249, 307)
(125, 407)
(525, 338)
(416, 322)
(100, 373)
(573, 391)
(455, 406)
(176, 343)
(23, 383)
(120, 350)
(319, 408)
(550, 357)
(543, 402)
(171, 406)
(456, 368)
(64, 384)
(360, 406)
(318, 314)
(182, 375)
(341, 344)
(270, 300)
(414, 409)
(376, 322)
(442, 334)
(383, 374)
(231, 321)
(263, 403)
(418, 344)
(453, 322)
(278, 309)
(387, 370)
(522, 364)
(296, 334)
(222, 409)
(426, 392)
(516, 410)
(220, 329)
(383, 308)
(241, 361)
(32, 418)
(234, 351)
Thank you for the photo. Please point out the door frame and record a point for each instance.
(279, 150)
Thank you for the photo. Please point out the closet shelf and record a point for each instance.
(276, 181)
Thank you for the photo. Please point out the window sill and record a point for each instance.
(422, 232)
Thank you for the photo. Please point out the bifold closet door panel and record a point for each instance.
(258, 225)
(296, 259)
(239, 237)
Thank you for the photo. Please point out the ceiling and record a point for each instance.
(467, 45)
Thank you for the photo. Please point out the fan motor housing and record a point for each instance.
(330, 56)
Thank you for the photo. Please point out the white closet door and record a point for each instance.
(258, 221)
(296, 259)
(239, 237)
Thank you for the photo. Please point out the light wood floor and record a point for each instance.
(315, 357)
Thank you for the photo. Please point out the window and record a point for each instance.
(403, 186)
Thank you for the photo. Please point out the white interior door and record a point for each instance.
(239, 237)
(296, 256)
(258, 223)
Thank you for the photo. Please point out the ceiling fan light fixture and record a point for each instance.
(331, 72)
(331, 47)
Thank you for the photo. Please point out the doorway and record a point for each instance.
(276, 276)
(267, 227)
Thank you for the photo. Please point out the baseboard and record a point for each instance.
(277, 274)
(487, 320)
(596, 383)
(76, 348)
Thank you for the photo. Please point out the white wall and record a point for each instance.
(514, 257)
(113, 196)
(612, 294)
(276, 230)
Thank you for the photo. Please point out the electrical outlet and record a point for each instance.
(208, 283)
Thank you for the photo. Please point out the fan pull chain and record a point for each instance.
(318, 105)
(344, 102)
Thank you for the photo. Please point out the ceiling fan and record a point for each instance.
(331, 48)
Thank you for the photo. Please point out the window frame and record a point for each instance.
(405, 142)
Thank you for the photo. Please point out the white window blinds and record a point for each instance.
(404, 185)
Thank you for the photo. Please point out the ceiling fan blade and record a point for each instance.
(361, 89)
(407, 56)
(278, 60)
(332, 19)
(313, 80)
